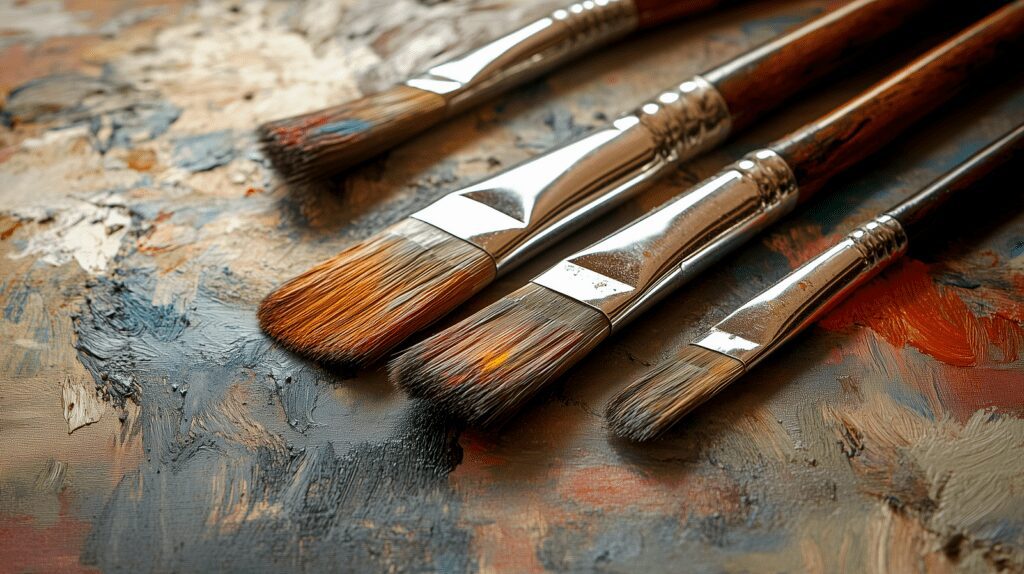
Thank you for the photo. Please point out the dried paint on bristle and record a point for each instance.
(650, 406)
(353, 309)
(327, 141)
(485, 367)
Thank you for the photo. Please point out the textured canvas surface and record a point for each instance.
(147, 425)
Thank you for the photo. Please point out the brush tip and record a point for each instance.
(354, 308)
(486, 367)
(649, 407)
(328, 141)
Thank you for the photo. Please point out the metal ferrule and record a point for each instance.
(773, 317)
(519, 211)
(633, 268)
(527, 52)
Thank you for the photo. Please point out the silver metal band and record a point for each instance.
(636, 266)
(687, 119)
(528, 51)
(773, 317)
(516, 212)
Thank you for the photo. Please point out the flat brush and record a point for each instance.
(328, 141)
(647, 408)
(485, 367)
(357, 306)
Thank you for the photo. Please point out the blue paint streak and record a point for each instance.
(204, 152)
(343, 128)
(1017, 249)
(16, 300)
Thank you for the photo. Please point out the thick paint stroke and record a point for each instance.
(222, 469)
(906, 307)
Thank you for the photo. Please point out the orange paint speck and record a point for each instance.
(294, 134)
(7, 233)
(495, 362)
(141, 159)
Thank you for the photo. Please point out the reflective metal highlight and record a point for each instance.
(774, 316)
(527, 52)
(636, 266)
(515, 213)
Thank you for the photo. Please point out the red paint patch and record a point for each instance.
(252, 191)
(964, 392)
(7, 153)
(906, 308)
(616, 488)
(479, 450)
(25, 547)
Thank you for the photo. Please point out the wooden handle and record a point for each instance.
(766, 76)
(913, 214)
(654, 12)
(861, 126)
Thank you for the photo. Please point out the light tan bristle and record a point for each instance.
(356, 307)
(654, 403)
(484, 368)
(327, 141)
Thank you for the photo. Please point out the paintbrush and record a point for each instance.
(651, 405)
(327, 141)
(485, 367)
(356, 307)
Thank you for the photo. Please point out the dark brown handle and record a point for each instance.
(913, 213)
(861, 126)
(766, 76)
(654, 12)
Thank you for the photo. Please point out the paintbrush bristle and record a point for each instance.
(325, 142)
(485, 367)
(650, 406)
(353, 309)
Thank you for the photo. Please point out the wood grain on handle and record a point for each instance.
(850, 133)
(654, 12)
(764, 77)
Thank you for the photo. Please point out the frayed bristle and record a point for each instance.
(485, 367)
(325, 142)
(650, 406)
(353, 309)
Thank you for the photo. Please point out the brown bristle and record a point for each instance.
(327, 141)
(485, 367)
(650, 406)
(354, 308)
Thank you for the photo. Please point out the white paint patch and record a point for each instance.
(39, 20)
(87, 232)
(975, 473)
(81, 405)
(302, 55)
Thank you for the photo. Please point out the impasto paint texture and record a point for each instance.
(146, 423)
